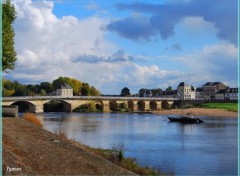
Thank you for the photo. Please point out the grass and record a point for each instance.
(227, 106)
(117, 157)
(32, 118)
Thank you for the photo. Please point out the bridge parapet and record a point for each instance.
(85, 98)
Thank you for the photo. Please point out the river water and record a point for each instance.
(209, 148)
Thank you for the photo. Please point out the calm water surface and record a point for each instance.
(209, 148)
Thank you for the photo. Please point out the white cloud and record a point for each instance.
(49, 47)
(212, 63)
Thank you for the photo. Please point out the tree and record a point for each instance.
(85, 89)
(47, 87)
(8, 51)
(125, 92)
(169, 89)
(94, 91)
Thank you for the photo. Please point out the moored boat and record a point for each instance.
(185, 119)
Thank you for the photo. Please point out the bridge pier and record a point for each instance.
(37, 109)
(106, 107)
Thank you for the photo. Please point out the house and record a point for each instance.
(64, 91)
(231, 94)
(221, 94)
(211, 88)
(199, 93)
(185, 92)
(168, 94)
(145, 93)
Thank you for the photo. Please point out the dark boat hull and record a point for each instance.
(185, 119)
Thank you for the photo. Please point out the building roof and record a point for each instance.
(212, 83)
(64, 86)
(199, 89)
(222, 91)
(182, 84)
(232, 90)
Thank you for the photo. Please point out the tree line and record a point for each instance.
(15, 88)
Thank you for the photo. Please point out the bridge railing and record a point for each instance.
(84, 98)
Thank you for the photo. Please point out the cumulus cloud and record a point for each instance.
(48, 47)
(212, 63)
(161, 19)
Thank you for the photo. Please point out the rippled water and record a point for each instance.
(209, 148)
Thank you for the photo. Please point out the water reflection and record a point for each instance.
(209, 148)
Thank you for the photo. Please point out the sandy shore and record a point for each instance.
(200, 112)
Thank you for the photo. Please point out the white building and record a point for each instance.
(64, 91)
(221, 94)
(185, 92)
(231, 94)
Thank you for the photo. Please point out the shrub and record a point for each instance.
(32, 118)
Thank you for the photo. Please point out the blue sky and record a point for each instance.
(135, 44)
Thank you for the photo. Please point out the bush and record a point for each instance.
(32, 118)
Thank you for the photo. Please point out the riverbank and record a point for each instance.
(31, 150)
(199, 112)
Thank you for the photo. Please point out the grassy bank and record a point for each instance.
(226, 106)
(117, 157)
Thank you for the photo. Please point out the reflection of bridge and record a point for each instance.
(36, 103)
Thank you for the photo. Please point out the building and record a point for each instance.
(185, 92)
(211, 88)
(145, 93)
(168, 94)
(199, 93)
(221, 94)
(64, 91)
(231, 94)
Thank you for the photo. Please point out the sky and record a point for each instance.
(121, 43)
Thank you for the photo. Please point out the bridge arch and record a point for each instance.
(165, 104)
(141, 105)
(25, 106)
(130, 105)
(153, 105)
(99, 105)
(57, 105)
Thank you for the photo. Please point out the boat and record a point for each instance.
(188, 118)
(185, 119)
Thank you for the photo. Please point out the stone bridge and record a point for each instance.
(36, 104)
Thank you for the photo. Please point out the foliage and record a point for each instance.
(123, 107)
(10, 88)
(227, 106)
(89, 107)
(32, 118)
(169, 89)
(116, 156)
(154, 92)
(125, 92)
(8, 51)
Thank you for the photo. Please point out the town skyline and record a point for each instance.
(141, 44)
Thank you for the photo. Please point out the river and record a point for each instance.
(209, 148)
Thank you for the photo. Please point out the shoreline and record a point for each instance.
(199, 112)
(32, 150)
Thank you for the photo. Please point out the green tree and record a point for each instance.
(169, 89)
(125, 92)
(46, 86)
(43, 92)
(8, 51)
(85, 89)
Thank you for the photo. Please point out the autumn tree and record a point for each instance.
(8, 51)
